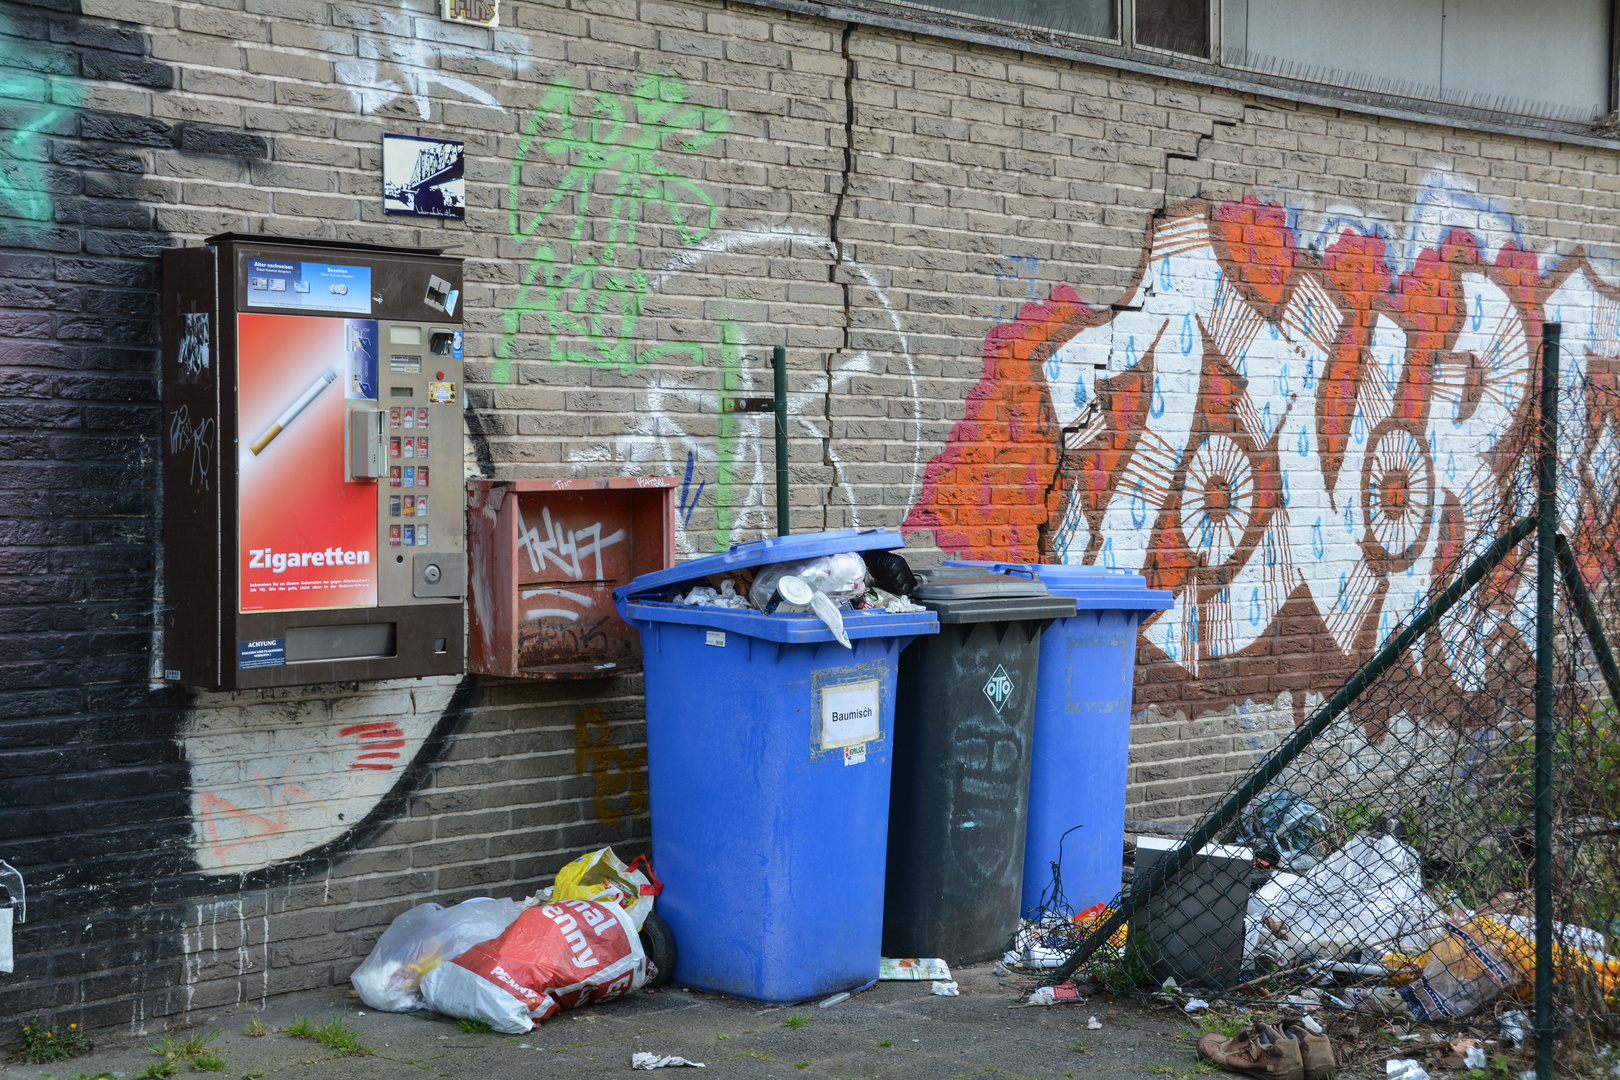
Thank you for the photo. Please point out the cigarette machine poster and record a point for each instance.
(308, 534)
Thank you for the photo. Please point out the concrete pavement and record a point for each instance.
(896, 1031)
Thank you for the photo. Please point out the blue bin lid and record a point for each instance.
(773, 549)
(1094, 588)
(803, 629)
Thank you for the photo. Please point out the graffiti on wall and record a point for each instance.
(595, 175)
(1274, 414)
(618, 776)
(37, 107)
(581, 283)
(394, 61)
(291, 776)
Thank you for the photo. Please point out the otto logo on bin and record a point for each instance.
(999, 688)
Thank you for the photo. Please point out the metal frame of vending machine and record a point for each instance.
(312, 475)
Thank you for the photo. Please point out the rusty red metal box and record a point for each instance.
(544, 557)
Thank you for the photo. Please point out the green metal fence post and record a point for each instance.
(779, 410)
(1546, 578)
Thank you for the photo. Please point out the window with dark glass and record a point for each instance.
(1178, 26)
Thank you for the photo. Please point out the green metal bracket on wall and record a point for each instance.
(776, 404)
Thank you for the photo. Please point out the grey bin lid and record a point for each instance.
(963, 583)
(963, 595)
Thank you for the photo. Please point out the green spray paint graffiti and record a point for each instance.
(580, 288)
(32, 107)
(608, 147)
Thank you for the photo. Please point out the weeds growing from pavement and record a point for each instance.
(336, 1036)
(41, 1044)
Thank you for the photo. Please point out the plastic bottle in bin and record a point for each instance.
(834, 581)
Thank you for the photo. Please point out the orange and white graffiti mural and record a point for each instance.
(1294, 432)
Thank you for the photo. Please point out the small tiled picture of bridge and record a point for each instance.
(424, 177)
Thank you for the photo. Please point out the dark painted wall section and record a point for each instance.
(92, 789)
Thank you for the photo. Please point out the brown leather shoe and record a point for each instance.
(1315, 1050)
(1259, 1050)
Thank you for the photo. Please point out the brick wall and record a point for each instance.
(1261, 352)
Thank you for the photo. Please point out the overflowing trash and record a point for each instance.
(724, 597)
(510, 963)
(825, 586)
(1364, 900)
(1039, 944)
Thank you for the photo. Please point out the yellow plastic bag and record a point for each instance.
(603, 877)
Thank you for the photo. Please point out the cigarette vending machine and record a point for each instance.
(312, 441)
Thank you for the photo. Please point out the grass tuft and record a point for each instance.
(208, 1061)
(795, 1022)
(336, 1036)
(472, 1025)
(1214, 1023)
(174, 1054)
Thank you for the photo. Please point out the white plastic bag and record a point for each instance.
(1367, 896)
(418, 941)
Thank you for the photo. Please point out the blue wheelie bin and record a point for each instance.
(768, 759)
(1082, 744)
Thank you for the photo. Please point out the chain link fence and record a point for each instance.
(1384, 859)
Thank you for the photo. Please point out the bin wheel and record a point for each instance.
(659, 945)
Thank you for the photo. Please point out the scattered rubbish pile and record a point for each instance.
(1351, 927)
(512, 964)
(1327, 922)
(825, 586)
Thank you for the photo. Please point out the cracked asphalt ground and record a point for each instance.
(895, 1031)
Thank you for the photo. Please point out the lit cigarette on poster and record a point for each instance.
(294, 409)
